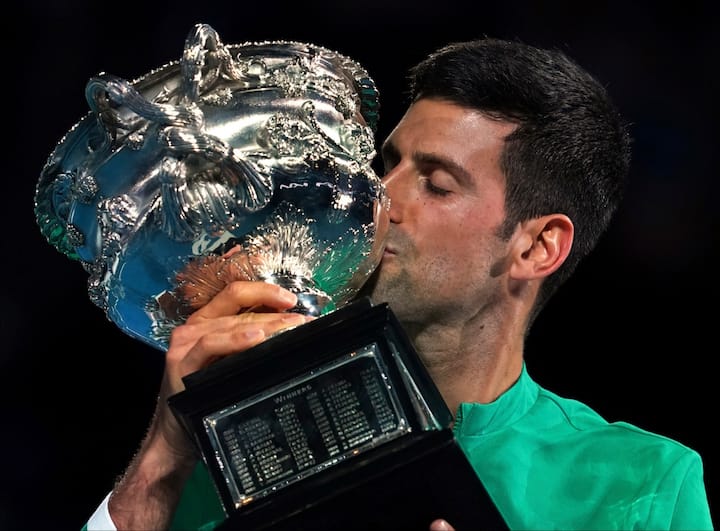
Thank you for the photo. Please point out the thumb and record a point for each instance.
(440, 525)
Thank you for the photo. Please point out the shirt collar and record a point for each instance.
(479, 419)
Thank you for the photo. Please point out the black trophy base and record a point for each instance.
(394, 492)
(333, 425)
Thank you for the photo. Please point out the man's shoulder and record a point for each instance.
(585, 421)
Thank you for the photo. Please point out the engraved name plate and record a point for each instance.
(297, 429)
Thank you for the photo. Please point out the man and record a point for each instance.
(502, 175)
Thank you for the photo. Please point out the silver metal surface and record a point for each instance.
(247, 161)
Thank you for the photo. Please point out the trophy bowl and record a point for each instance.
(249, 161)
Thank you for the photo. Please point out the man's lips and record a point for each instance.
(389, 251)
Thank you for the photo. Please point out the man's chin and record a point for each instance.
(368, 289)
(381, 287)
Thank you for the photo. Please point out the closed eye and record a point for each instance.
(431, 188)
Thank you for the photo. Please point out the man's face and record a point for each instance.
(443, 262)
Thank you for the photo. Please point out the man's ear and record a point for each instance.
(540, 246)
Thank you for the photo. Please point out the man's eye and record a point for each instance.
(433, 189)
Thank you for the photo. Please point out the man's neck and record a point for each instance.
(471, 365)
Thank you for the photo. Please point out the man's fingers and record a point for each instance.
(228, 335)
(441, 525)
(241, 295)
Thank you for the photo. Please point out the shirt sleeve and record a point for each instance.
(100, 519)
(692, 508)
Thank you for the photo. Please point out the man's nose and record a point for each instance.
(396, 184)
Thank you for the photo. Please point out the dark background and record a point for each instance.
(633, 334)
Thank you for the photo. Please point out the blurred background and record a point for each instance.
(633, 334)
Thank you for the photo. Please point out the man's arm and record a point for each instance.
(153, 483)
(148, 493)
(691, 507)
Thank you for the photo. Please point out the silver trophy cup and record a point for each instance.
(248, 161)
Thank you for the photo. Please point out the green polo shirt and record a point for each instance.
(552, 463)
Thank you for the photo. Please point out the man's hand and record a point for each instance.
(223, 326)
(240, 316)
(441, 525)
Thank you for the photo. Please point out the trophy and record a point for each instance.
(253, 162)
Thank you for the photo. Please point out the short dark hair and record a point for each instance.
(571, 151)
